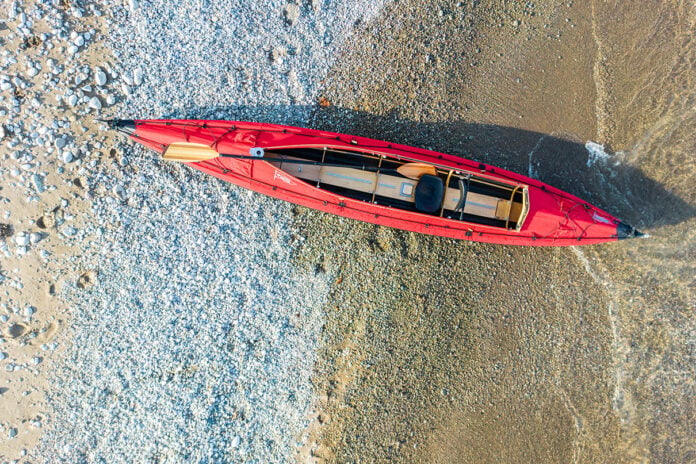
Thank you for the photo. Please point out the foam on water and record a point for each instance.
(596, 153)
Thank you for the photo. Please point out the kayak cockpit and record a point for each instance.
(434, 190)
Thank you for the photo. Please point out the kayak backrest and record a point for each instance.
(429, 192)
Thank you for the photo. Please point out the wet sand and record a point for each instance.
(437, 351)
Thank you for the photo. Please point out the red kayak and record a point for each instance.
(379, 182)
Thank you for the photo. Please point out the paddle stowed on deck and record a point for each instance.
(398, 184)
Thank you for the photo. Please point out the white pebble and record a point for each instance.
(95, 103)
(100, 76)
(22, 239)
(67, 156)
(137, 77)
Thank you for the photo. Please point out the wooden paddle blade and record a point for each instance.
(189, 152)
(416, 170)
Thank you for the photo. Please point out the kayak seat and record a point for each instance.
(429, 193)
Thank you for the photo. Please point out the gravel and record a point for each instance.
(197, 341)
(216, 55)
(193, 334)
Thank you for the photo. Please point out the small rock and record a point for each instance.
(67, 156)
(12, 432)
(22, 239)
(137, 77)
(100, 76)
(17, 330)
(38, 181)
(70, 231)
(35, 237)
(95, 103)
(119, 191)
(3, 356)
(235, 441)
(29, 311)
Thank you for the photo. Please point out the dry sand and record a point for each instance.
(36, 318)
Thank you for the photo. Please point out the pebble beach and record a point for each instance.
(149, 313)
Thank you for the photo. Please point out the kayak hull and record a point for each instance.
(554, 217)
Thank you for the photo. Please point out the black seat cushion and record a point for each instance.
(429, 193)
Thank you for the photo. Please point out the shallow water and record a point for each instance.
(472, 353)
